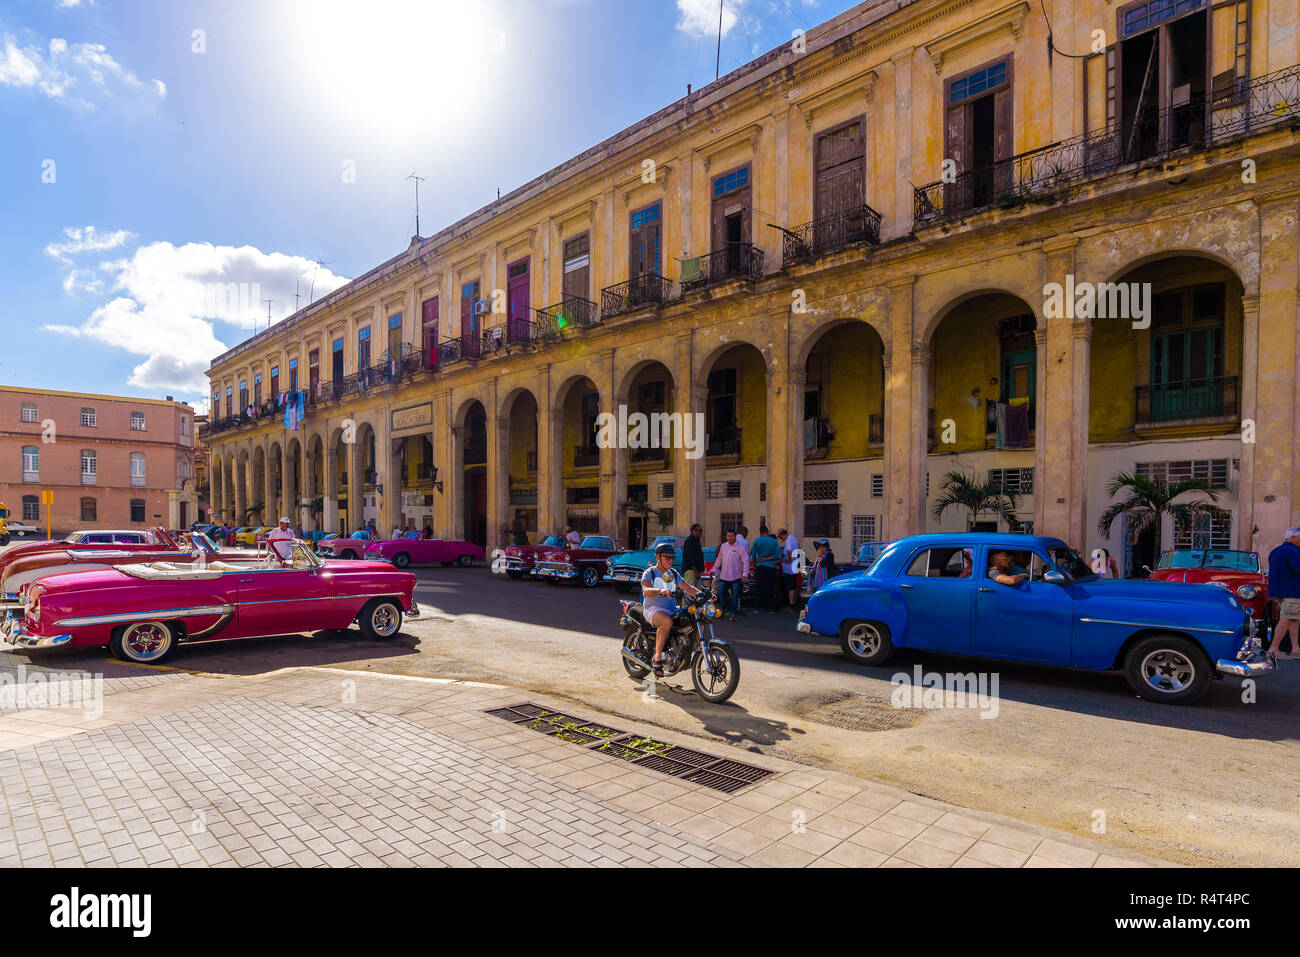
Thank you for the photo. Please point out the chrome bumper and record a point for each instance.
(622, 577)
(568, 572)
(413, 611)
(803, 628)
(1249, 668)
(15, 630)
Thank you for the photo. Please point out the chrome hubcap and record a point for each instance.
(384, 620)
(864, 640)
(146, 640)
(1168, 671)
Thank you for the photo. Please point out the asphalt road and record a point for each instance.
(1214, 783)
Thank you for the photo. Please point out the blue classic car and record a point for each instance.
(1033, 599)
(625, 569)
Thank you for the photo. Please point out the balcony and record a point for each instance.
(457, 350)
(817, 435)
(1190, 400)
(573, 311)
(648, 458)
(137, 481)
(647, 289)
(1046, 174)
(737, 261)
(723, 442)
(876, 428)
(89, 478)
(803, 244)
(586, 458)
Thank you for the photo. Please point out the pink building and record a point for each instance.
(111, 461)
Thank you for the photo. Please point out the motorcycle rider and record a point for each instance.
(659, 586)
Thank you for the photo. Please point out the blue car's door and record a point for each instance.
(938, 592)
(1029, 621)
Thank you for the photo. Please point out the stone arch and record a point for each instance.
(953, 303)
(712, 352)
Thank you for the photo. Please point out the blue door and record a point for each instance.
(1029, 621)
(938, 591)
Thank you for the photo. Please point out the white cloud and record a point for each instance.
(76, 74)
(80, 240)
(167, 301)
(699, 18)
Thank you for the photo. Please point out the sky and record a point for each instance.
(154, 151)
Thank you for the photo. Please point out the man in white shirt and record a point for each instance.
(790, 569)
(281, 539)
(571, 537)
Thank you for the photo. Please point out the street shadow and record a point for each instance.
(727, 721)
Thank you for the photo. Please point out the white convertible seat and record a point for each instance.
(177, 571)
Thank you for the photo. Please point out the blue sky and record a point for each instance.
(154, 150)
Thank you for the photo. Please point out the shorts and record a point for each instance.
(791, 582)
(1290, 608)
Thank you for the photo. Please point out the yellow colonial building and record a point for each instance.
(1038, 245)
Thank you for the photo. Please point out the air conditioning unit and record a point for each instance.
(482, 308)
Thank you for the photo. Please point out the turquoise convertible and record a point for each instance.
(1033, 599)
(625, 569)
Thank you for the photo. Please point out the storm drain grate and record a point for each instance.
(656, 762)
(707, 770)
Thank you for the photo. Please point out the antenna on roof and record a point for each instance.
(296, 294)
(418, 181)
(268, 311)
(311, 294)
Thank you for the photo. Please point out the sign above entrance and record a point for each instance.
(412, 417)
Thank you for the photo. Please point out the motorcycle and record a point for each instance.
(715, 669)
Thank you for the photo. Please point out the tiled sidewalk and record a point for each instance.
(323, 767)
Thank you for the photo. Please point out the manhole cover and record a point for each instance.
(855, 713)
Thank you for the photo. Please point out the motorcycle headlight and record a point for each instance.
(1247, 592)
(710, 610)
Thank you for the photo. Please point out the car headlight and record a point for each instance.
(1247, 592)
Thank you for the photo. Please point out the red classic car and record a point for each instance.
(142, 612)
(423, 551)
(520, 560)
(129, 539)
(585, 562)
(1239, 572)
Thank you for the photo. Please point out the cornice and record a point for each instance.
(1009, 19)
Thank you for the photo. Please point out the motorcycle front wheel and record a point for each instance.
(715, 672)
(636, 644)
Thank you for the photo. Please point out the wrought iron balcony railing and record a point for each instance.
(723, 442)
(644, 290)
(456, 350)
(586, 458)
(1045, 174)
(737, 261)
(861, 224)
(572, 312)
(1191, 399)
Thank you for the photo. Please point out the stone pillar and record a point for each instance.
(903, 174)
(307, 490)
(613, 460)
(457, 493)
(250, 486)
(387, 474)
(1274, 368)
(439, 440)
(1061, 414)
(1242, 532)
(907, 410)
(689, 397)
(550, 468)
(785, 447)
(498, 480)
(356, 469)
(330, 506)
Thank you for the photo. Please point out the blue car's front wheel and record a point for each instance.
(1168, 668)
(866, 642)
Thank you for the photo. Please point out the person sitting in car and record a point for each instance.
(1005, 571)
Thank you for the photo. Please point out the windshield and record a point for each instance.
(554, 541)
(597, 542)
(1210, 558)
(869, 552)
(1067, 560)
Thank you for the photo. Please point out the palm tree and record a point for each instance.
(961, 491)
(637, 505)
(1148, 501)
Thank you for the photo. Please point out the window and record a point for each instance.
(137, 468)
(29, 412)
(1013, 481)
(293, 375)
(257, 389)
(979, 133)
(88, 418)
(577, 266)
(469, 325)
(1215, 471)
(863, 528)
(336, 351)
(1205, 531)
(243, 395)
(730, 182)
(394, 336)
(88, 470)
(1143, 16)
(727, 489)
(275, 382)
(137, 421)
(590, 413)
(644, 238)
(948, 562)
(731, 522)
(31, 463)
(230, 402)
(185, 426)
(839, 160)
(824, 490)
(137, 510)
(666, 490)
(89, 510)
(821, 521)
(720, 413)
(518, 327)
(31, 508)
(429, 330)
(975, 84)
(363, 349)
(878, 486)
(1158, 74)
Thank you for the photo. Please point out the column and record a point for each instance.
(330, 505)
(550, 465)
(785, 440)
(497, 465)
(613, 460)
(1061, 414)
(441, 445)
(1242, 532)
(902, 128)
(356, 469)
(907, 408)
(307, 490)
(387, 473)
(689, 397)
(250, 485)
(1274, 466)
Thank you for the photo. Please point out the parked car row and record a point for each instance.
(401, 552)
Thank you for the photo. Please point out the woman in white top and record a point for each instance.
(1103, 565)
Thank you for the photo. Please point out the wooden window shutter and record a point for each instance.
(1003, 126)
(1112, 78)
(839, 171)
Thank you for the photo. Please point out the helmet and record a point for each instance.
(821, 542)
(664, 548)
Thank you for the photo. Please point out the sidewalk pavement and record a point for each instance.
(326, 767)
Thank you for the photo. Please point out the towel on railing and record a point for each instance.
(691, 269)
(1013, 425)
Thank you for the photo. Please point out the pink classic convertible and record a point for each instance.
(144, 611)
(423, 551)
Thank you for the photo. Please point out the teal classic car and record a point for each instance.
(625, 569)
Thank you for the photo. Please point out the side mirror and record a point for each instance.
(1147, 569)
(1053, 577)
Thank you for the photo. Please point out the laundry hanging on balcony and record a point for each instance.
(1013, 425)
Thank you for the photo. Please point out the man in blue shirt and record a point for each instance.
(659, 584)
(765, 552)
(1284, 587)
